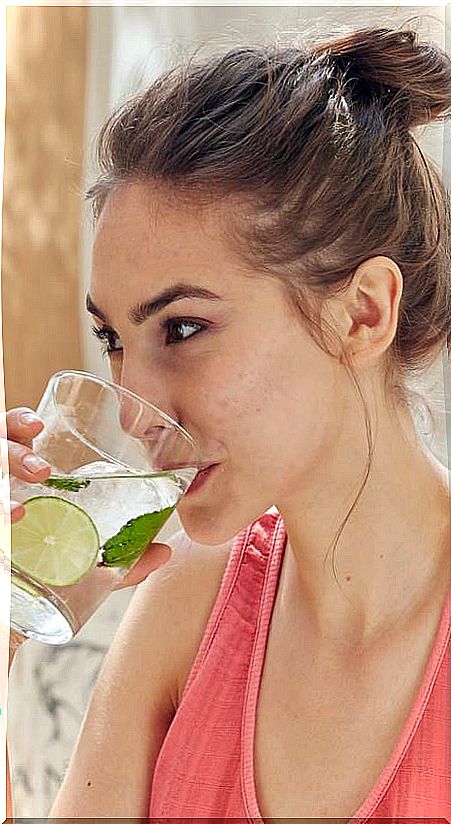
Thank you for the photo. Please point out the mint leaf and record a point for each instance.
(130, 542)
(67, 484)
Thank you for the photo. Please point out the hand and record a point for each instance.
(154, 556)
(21, 431)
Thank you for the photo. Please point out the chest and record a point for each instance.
(324, 734)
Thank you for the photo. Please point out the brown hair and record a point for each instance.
(316, 145)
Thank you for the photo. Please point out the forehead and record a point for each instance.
(147, 240)
(147, 228)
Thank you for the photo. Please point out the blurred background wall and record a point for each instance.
(46, 92)
(67, 68)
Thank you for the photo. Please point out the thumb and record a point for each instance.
(154, 556)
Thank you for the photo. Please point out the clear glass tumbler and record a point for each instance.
(118, 469)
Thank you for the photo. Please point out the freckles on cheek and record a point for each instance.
(243, 379)
(231, 393)
(249, 398)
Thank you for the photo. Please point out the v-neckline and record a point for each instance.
(377, 792)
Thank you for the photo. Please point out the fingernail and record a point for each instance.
(29, 418)
(34, 464)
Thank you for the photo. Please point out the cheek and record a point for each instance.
(284, 411)
(232, 393)
(238, 405)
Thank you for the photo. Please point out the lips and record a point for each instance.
(204, 473)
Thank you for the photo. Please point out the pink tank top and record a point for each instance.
(205, 766)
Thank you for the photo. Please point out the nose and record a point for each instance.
(164, 444)
(158, 438)
(136, 417)
(160, 441)
(131, 415)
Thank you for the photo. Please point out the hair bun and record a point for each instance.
(413, 77)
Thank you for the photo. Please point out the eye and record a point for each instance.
(174, 325)
(108, 337)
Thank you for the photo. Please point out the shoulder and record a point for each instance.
(180, 595)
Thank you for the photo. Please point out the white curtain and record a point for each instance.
(50, 687)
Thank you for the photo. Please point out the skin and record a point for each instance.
(280, 416)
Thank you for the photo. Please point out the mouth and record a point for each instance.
(201, 477)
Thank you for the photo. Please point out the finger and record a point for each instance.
(17, 512)
(23, 424)
(26, 464)
(155, 556)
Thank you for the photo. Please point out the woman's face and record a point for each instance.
(238, 371)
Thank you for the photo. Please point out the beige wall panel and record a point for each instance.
(46, 78)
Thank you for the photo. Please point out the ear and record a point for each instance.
(366, 313)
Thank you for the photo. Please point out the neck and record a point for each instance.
(392, 556)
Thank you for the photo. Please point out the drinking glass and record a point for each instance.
(119, 467)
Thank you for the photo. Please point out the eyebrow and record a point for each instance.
(139, 313)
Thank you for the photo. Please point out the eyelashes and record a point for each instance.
(105, 335)
(109, 337)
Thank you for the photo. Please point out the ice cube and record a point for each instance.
(99, 468)
(111, 502)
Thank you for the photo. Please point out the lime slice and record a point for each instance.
(56, 542)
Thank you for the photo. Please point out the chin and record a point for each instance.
(209, 526)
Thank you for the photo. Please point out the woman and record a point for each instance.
(270, 267)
